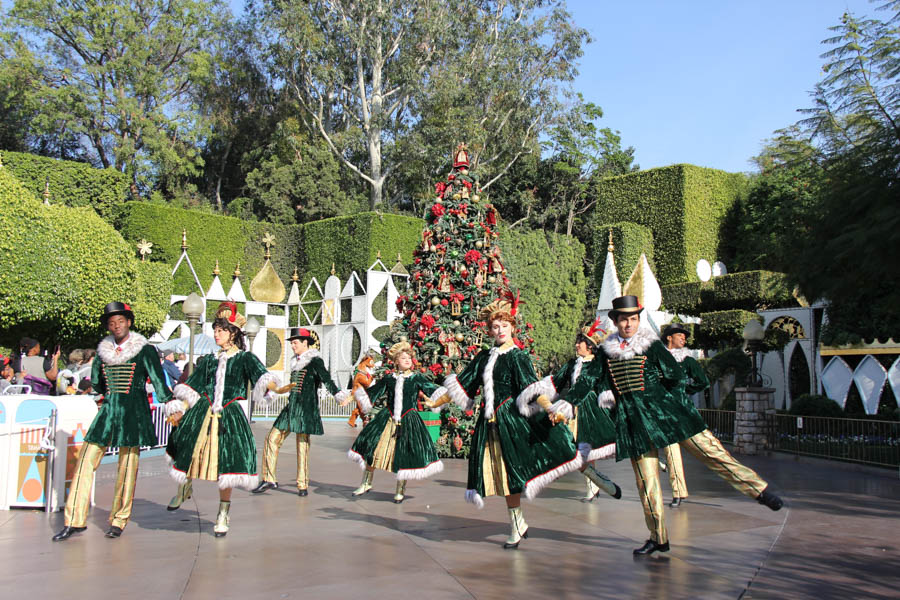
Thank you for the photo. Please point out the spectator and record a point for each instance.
(173, 373)
(87, 363)
(84, 387)
(32, 369)
(6, 373)
(182, 361)
(76, 359)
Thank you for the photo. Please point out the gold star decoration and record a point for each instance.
(144, 248)
(268, 240)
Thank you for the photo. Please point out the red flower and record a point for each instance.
(439, 187)
(437, 209)
(529, 326)
(469, 413)
(453, 420)
(468, 184)
(519, 343)
(472, 256)
(451, 177)
(427, 321)
(437, 368)
(444, 302)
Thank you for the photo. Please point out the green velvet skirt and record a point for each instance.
(595, 427)
(645, 421)
(415, 456)
(300, 416)
(123, 422)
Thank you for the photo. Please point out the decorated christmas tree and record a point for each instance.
(458, 270)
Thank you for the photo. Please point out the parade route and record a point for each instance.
(836, 537)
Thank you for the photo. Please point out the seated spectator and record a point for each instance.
(84, 387)
(33, 369)
(6, 373)
(87, 363)
(76, 359)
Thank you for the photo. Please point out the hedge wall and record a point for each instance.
(629, 241)
(748, 290)
(548, 270)
(723, 328)
(61, 266)
(71, 183)
(684, 206)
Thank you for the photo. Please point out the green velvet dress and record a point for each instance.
(120, 374)
(224, 450)
(534, 451)
(589, 395)
(647, 414)
(396, 439)
(301, 415)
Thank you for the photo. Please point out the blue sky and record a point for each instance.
(701, 81)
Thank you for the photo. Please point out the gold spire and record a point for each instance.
(295, 276)
(47, 191)
(237, 269)
(184, 245)
(216, 271)
(332, 268)
(378, 255)
(610, 247)
(269, 241)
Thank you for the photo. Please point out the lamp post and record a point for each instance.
(192, 308)
(753, 339)
(251, 328)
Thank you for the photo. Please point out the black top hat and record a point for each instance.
(116, 308)
(674, 328)
(301, 332)
(625, 305)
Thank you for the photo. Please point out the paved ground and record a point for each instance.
(836, 538)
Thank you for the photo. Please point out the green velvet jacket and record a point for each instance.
(535, 452)
(694, 380)
(120, 374)
(301, 415)
(591, 397)
(647, 414)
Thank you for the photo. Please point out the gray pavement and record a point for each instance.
(836, 538)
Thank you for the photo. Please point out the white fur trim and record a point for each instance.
(219, 387)
(261, 395)
(238, 480)
(591, 454)
(606, 399)
(180, 477)
(343, 397)
(680, 353)
(542, 387)
(564, 407)
(186, 394)
(534, 485)
(106, 349)
(357, 458)
(576, 369)
(148, 387)
(362, 398)
(487, 378)
(426, 471)
(173, 407)
(636, 346)
(397, 411)
(457, 393)
(475, 498)
(437, 395)
(299, 362)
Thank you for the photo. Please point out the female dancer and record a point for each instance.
(213, 440)
(396, 439)
(510, 453)
(587, 399)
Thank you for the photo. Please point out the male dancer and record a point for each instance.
(301, 415)
(675, 338)
(125, 362)
(648, 417)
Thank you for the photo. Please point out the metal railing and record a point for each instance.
(854, 440)
(328, 407)
(720, 422)
(160, 425)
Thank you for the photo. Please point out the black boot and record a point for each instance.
(676, 502)
(262, 487)
(67, 532)
(113, 531)
(650, 547)
(769, 499)
(302, 492)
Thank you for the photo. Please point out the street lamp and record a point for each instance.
(192, 308)
(753, 341)
(251, 328)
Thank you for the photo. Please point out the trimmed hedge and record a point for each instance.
(683, 205)
(71, 183)
(630, 240)
(62, 265)
(547, 269)
(723, 328)
(748, 290)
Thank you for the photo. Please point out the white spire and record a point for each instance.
(610, 287)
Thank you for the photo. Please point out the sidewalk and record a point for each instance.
(835, 538)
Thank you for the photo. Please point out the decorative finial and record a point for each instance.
(295, 276)
(610, 248)
(184, 245)
(399, 259)
(378, 255)
(269, 241)
(216, 271)
(144, 248)
(237, 269)
(47, 191)
(332, 268)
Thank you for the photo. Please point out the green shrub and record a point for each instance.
(813, 405)
(630, 240)
(684, 206)
(753, 290)
(731, 361)
(689, 298)
(724, 328)
(62, 265)
(71, 183)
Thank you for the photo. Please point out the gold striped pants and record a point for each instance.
(274, 441)
(79, 498)
(707, 449)
(676, 471)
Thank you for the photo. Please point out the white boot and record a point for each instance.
(222, 520)
(519, 528)
(591, 491)
(603, 482)
(184, 493)
(401, 488)
(366, 484)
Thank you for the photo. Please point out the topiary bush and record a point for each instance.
(71, 183)
(684, 206)
(813, 405)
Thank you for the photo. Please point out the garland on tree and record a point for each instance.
(457, 270)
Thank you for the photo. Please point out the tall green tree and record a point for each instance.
(121, 78)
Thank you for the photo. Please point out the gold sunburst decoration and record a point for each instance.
(144, 248)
